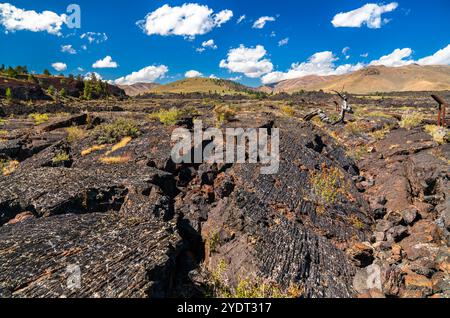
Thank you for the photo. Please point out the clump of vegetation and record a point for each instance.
(355, 128)
(288, 110)
(357, 153)
(440, 134)
(224, 114)
(8, 94)
(13, 72)
(92, 149)
(249, 287)
(95, 88)
(7, 167)
(257, 288)
(356, 222)
(167, 117)
(411, 120)
(51, 90)
(39, 118)
(75, 134)
(328, 183)
(114, 132)
(115, 160)
(121, 144)
(319, 123)
(61, 157)
(381, 133)
(214, 241)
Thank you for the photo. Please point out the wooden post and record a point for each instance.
(441, 110)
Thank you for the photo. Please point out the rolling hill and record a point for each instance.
(203, 85)
(373, 79)
(137, 88)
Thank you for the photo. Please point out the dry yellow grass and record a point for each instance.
(92, 149)
(8, 167)
(115, 160)
(121, 144)
(288, 110)
(75, 134)
(411, 120)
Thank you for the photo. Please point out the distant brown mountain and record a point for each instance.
(295, 84)
(372, 79)
(138, 88)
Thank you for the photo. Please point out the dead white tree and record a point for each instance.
(344, 109)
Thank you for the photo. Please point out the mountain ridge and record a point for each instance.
(371, 80)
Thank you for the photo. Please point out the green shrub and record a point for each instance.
(288, 110)
(328, 183)
(411, 120)
(440, 134)
(61, 157)
(51, 90)
(39, 118)
(75, 134)
(8, 94)
(224, 114)
(249, 287)
(63, 92)
(114, 132)
(167, 117)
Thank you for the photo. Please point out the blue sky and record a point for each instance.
(418, 29)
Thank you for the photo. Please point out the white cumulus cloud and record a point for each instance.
(321, 63)
(249, 61)
(148, 74)
(91, 75)
(399, 57)
(188, 20)
(68, 49)
(94, 37)
(261, 22)
(59, 66)
(402, 57)
(107, 62)
(16, 19)
(193, 73)
(441, 57)
(223, 17)
(369, 14)
(283, 42)
(209, 44)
